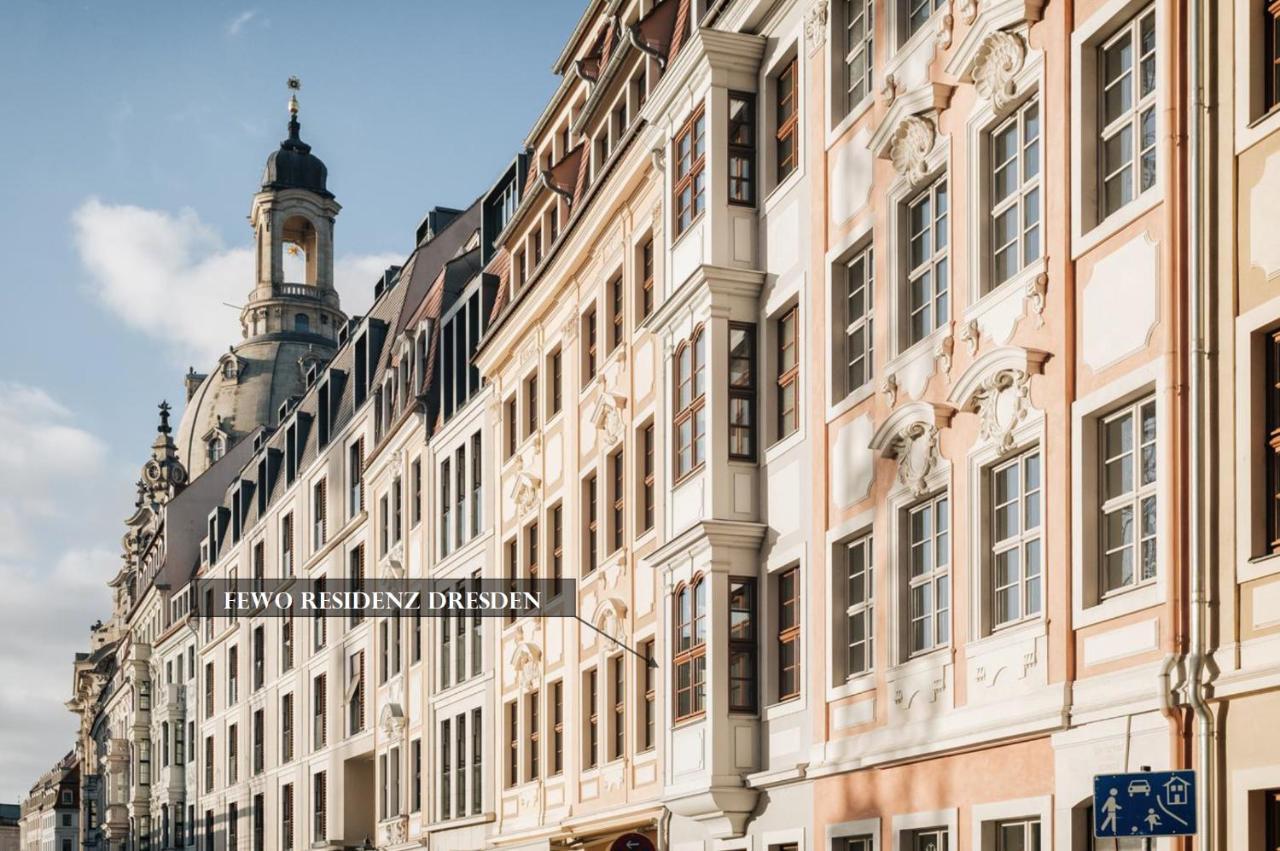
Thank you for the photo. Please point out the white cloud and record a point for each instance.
(170, 276)
(239, 21)
(59, 519)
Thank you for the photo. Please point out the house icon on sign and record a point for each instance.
(1175, 791)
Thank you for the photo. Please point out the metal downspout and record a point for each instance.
(1197, 408)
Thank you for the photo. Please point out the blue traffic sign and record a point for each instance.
(1148, 803)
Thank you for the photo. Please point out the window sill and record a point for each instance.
(784, 708)
(779, 191)
(783, 446)
(1013, 289)
(1259, 567)
(1090, 239)
(854, 686)
(852, 400)
(677, 238)
(1007, 636)
(926, 660)
(916, 356)
(1119, 603)
(855, 114)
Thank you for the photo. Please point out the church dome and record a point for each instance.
(244, 391)
(293, 166)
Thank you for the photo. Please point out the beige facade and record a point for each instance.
(840, 357)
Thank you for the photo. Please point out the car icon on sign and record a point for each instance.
(1139, 787)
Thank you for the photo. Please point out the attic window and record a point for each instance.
(217, 447)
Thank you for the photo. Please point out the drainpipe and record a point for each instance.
(1197, 405)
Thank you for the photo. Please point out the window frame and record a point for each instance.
(739, 151)
(787, 378)
(844, 329)
(1020, 542)
(1017, 200)
(686, 653)
(786, 130)
(692, 411)
(939, 505)
(1133, 116)
(937, 258)
(688, 172)
(1134, 499)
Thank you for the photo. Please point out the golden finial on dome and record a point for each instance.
(294, 85)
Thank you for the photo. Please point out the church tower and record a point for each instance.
(290, 323)
(292, 218)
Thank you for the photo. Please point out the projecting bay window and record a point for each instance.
(742, 392)
(787, 338)
(788, 640)
(742, 149)
(928, 269)
(786, 123)
(690, 657)
(859, 611)
(1127, 516)
(1127, 122)
(743, 679)
(689, 424)
(689, 182)
(853, 328)
(1016, 555)
(1015, 192)
(928, 579)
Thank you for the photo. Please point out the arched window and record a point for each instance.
(690, 423)
(302, 322)
(690, 648)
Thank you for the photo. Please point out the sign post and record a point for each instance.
(1144, 804)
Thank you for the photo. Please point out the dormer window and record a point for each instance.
(216, 447)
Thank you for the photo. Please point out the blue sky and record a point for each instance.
(133, 138)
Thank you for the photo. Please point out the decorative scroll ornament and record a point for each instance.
(944, 349)
(969, 336)
(967, 10)
(890, 389)
(524, 490)
(1003, 401)
(910, 148)
(916, 448)
(607, 417)
(1037, 287)
(889, 91)
(815, 26)
(392, 721)
(1000, 58)
(946, 22)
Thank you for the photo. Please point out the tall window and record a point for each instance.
(477, 484)
(557, 727)
(533, 736)
(513, 744)
(355, 693)
(690, 424)
(591, 494)
(555, 399)
(446, 505)
(591, 710)
(1128, 512)
(689, 182)
(858, 22)
(617, 324)
(589, 349)
(355, 478)
(928, 575)
(286, 728)
(1015, 192)
(530, 552)
(789, 634)
(618, 730)
(1015, 539)
(320, 831)
(617, 514)
(690, 648)
(319, 732)
(742, 149)
(647, 496)
(531, 404)
(259, 741)
(915, 14)
(788, 372)
(557, 545)
(415, 499)
(1127, 101)
(459, 495)
(927, 261)
(742, 645)
(854, 325)
(477, 766)
(1271, 439)
(446, 768)
(859, 613)
(1271, 55)
(786, 121)
(512, 425)
(646, 278)
(319, 519)
(286, 817)
(742, 391)
(649, 688)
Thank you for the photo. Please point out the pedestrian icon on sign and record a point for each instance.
(1110, 809)
(1152, 820)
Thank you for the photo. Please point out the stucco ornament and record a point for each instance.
(1003, 401)
(967, 11)
(392, 720)
(610, 619)
(815, 25)
(946, 23)
(969, 335)
(526, 661)
(944, 349)
(916, 448)
(395, 831)
(912, 143)
(890, 390)
(1037, 287)
(607, 417)
(1000, 59)
(525, 488)
(889, 91)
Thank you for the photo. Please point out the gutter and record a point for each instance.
(1199, 12)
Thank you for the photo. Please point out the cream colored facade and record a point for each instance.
(823, 349)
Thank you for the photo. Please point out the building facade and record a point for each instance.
(868, 374)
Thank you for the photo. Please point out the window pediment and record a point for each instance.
(997, 386)
(987, 19)
(909, 132)
(910, 436)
